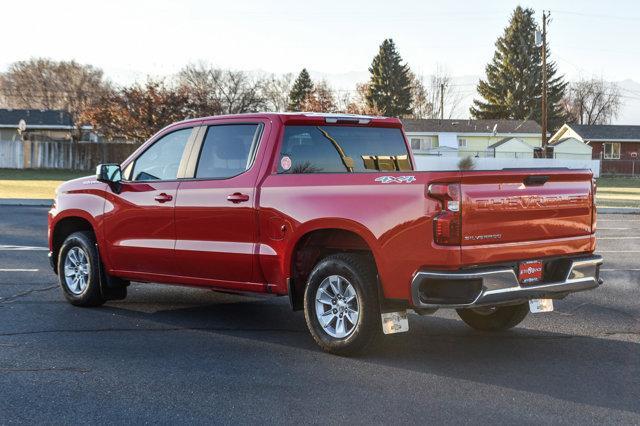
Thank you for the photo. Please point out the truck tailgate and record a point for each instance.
(512, 207)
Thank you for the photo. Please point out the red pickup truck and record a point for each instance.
(329, 210)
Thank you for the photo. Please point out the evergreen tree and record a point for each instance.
(390, 85)
(513, 86)
(301, 90)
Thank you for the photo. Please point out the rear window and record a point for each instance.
(342, 149)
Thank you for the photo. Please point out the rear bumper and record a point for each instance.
(496, 286)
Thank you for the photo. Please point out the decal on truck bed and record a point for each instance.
(396, 179)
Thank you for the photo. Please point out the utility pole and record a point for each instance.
(545, 17)
(441, 101)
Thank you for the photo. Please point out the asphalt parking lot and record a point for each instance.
(170, 354)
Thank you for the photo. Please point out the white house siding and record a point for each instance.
(513, 148)
(572, 148)
(11, 154)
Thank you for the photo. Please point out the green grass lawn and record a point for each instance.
(34, 183)
(618, 182)
(618, 192)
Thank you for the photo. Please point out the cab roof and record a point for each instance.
(309, 118)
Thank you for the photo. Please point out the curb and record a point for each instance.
(38, 202)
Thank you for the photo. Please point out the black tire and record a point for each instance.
(361, 274)
(496, 319)
(91, 295)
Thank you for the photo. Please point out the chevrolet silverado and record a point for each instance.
(329, 210)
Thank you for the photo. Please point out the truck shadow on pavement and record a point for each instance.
(589, 370)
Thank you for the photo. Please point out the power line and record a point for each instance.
(599, 16)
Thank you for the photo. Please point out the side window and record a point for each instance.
(227, 150)
(162, 160)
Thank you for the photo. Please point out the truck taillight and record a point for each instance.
(447, 224)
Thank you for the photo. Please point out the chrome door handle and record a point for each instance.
(237, 197)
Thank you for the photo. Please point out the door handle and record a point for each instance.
(237, 197)
(163, 198)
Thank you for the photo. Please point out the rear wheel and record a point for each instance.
(341, 303)
(494, 318)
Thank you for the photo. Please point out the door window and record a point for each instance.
(161, 160)
(228, 150)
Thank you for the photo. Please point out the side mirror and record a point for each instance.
(109, 173)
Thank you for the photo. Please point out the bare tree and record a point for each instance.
(46, 84)
(422, 105)
(240, 93)
(443, 91)
(138, 111)
(222, 91)
(198, 81)
(592, 101)
(276, 91)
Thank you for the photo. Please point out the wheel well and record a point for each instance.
(63, 229)
(314, 246)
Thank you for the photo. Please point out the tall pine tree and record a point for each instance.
(513, 86)
(390, 85)
(302, 88)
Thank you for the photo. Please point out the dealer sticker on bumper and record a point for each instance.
(395, 322)
(540, 305)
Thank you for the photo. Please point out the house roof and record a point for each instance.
(472, 126)
(36, 117)
(501, 142)
(509, 139)
(559, 141)
(606, 132)
(569, 139)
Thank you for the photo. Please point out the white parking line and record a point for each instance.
(618, 251)
(621, 270)
(618, 238)
(19, 270)
(5, 247)
(613, 229)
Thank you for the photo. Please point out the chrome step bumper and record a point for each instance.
(501, 286)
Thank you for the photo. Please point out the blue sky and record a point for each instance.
(130, 39)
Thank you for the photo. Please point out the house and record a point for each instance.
(41, 125)
(571, 148)
(473, 137)
(511, 147)
(608, 141)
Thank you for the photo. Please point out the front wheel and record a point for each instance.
(79, 270)
(341, 305)
(495, 318)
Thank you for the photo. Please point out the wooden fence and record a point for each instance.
(62, 154)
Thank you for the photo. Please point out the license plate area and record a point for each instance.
(530, 272)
